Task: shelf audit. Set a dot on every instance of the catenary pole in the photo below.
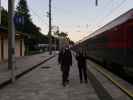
(11, 39)
(96, 2)
(50, 27)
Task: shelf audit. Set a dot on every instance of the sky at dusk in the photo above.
(78, 18)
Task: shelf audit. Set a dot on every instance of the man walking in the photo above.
(65, 59)
(81, 59)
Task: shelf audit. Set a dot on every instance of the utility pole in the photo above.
(50, 27)
(11, 39)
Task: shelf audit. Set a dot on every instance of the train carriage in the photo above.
(113, 44)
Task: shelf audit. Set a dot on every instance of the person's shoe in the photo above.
(64, 84)
(67, 81)
(86, 81)
(81, 81)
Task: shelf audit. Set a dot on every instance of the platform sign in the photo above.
(19, 20)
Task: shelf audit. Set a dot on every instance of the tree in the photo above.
(63, 34)
(29, 27)
(4, 17)
(62, 38)
(22, 10)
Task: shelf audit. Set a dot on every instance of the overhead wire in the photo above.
(110, 13)
(39, 18)
(99, 18)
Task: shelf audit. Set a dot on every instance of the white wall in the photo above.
(5, 48)
(23, 48)
(17, 48)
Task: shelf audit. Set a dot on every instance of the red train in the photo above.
(112, 44)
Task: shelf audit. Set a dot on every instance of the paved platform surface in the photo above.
(22, 64)
(44, 83)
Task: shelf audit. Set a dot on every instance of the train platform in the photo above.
(22, 65)
(44, 83)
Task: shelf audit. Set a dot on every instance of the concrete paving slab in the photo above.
(45, 84)
(22, 65)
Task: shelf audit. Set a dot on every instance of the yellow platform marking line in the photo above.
(130, 94)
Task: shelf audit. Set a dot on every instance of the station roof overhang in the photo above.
(4, 32)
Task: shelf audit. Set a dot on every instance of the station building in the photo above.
(19, 44)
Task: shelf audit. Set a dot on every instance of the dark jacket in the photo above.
(81, 59)
(65, 57)
(60, 56)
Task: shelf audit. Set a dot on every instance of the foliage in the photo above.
(64, 35)
(29, 27)
(4, 18)
(22, 9)
(61, 34)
